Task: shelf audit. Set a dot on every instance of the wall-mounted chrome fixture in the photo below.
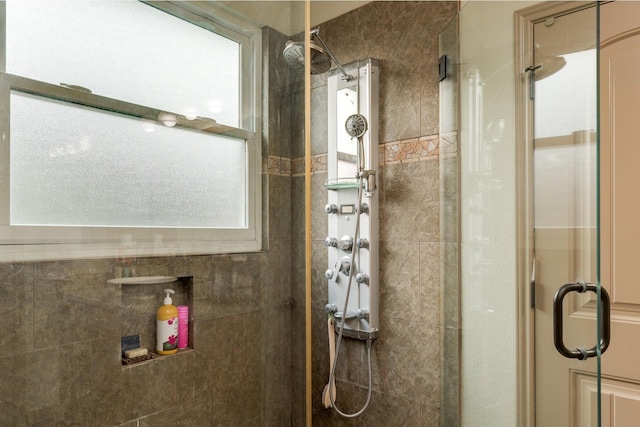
(321, 56)
(352, 242)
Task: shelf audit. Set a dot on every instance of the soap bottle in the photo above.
(167, 326)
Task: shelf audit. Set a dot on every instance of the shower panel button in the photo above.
(345, 244)
(362, 278)
(344, 266)
(362, 243)
(330, 208)
(364, 208)
(330, 242)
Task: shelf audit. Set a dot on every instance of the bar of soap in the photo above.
(136, 352)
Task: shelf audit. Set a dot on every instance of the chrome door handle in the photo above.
(580, 352)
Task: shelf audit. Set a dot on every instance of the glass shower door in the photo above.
(571, 307)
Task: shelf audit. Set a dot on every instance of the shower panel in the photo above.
(352, 200)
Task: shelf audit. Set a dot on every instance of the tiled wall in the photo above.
(60, 363)
(62, 325)
(407, 358)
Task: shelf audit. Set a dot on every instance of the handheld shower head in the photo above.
(356, 125)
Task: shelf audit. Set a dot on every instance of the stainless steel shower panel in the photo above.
(357, 96)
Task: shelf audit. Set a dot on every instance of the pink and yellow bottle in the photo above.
(167, 326)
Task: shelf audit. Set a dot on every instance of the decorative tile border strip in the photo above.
(318, 165)
(404, 151)
(449, 143)
(277, 165)
(411, 150)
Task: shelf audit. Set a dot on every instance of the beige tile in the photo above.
(219, 342)
(13, 390)
(449, 198)
(57, 386)
(319, 120)
(318, 201)
(298, 405)
(449, 285)
(197, 413)
(298, 340)
(277, 290)
(430, 416)
(410, 370)
(430, 282)
(17, 309)
(400, 280)
(108, 384)
(155, 385)
(253, 346)
(80, 306)
(239, 406)
(410, 208)
(279, 207)
(237, 282)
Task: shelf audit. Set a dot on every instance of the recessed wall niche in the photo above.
(140, 299)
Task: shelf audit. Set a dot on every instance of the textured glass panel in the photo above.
(74, 165)
(126, 50)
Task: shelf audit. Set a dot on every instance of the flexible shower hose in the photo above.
(332, 373)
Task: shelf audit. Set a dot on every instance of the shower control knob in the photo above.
(364, 208)
(344, 266)
(331, 242)
(330, 208)
(362, 313)
(362, 278)
(329, 274)
(330, 308)
(362, 243)
(345, 244)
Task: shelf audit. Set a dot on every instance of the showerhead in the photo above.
(550, 65)
(294, 55)
(321, 56)
(356, 125)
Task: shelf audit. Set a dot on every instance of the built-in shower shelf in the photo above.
(146, 280)
(340, 183)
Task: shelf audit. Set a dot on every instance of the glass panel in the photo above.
(449, 192)
(598, 257)
(497, 157)
(73, 165)
(101, 44)
(566, 212)
(487, 200)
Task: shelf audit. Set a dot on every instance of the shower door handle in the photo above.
(580, 352)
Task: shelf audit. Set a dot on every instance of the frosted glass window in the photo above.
(127, 50)
(77, 166)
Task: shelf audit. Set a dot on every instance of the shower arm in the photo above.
(316, 34)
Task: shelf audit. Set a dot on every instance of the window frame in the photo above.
(25, 243)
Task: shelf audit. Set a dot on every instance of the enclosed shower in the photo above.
(382, 345)
(352, 206)
(405, 179)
